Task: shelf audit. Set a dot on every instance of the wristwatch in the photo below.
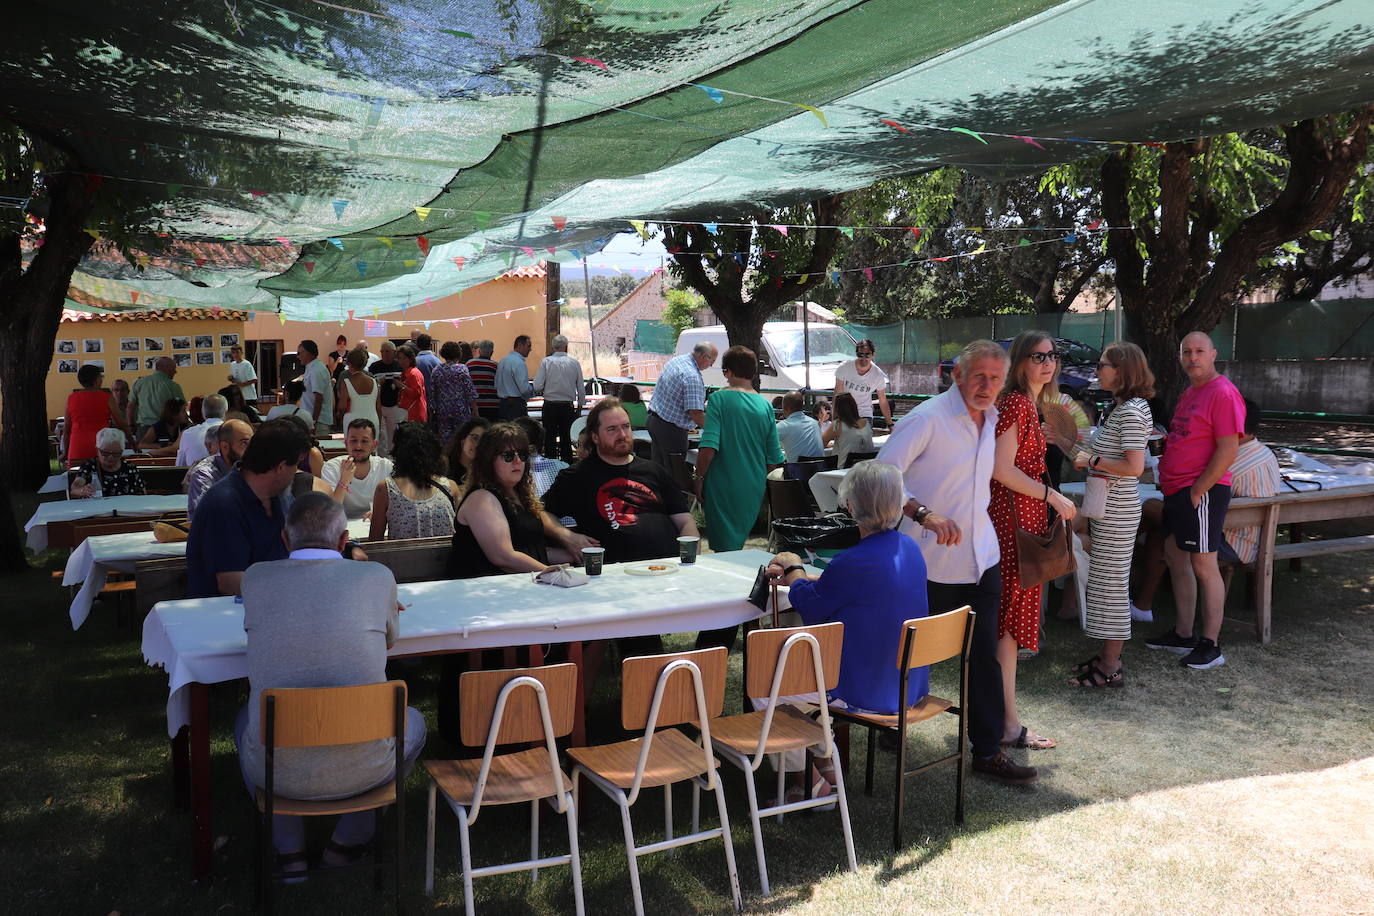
(788, 570)
(922, 511)
(1095, 461)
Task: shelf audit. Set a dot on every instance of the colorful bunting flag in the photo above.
(915, 231)
(385, 241)
(309, 266)
(965, 130)
(846, 231)
(459, 261)
(1071, 238)
(285, 241)
(1027, 140)
(133, 294)
(529, 252)
(423, 212)
(782, 229)
(638, 225)
(1022, 243)
(409, 262)
(868, 273)
(710, 227)
(559, 222)
(712, 93)
(200, 262)
(258, 194)
(1094, 224)
(93, 233)
(339, 207)
(350, 314)
(815, 111)
(362, 268)
(423, 244)
(215, 310)
(336, 243)
(895, 125)
(594, 62)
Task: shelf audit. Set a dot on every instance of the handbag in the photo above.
(1095, 491)
(1042, 557)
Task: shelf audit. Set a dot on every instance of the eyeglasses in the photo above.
(114, 454)
(1106, 365)
(510, 454)
(1041, 358)
(862, 354)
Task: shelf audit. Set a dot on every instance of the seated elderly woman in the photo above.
(872, 588)
(501, 527)
(107, 474)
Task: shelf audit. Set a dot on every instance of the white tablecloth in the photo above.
(96, 557)
(202, 640)
(67, 510)
(825, 487)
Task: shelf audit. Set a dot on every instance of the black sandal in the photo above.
(348, 855)
(1096, 677)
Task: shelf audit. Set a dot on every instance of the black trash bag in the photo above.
(836, 531)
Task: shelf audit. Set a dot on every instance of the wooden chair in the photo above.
(320, 717)
(506, 707)
(745, 740)
(924, 641)
(659, 691)
(854, 458)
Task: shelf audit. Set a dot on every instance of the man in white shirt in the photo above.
(242, 373)
(862, 378)
(559, 380)
(945, 449)
(193, 447)
(318, 400)
(355, 476)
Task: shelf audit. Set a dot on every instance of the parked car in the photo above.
(1077, 372)
(782, 364)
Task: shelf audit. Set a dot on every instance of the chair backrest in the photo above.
(576, 429)
(319, 716)
(789, 499)
(807, 466)
(854, 458)
(764, 649)
(520, 719)
(927, 640)
(639, 682)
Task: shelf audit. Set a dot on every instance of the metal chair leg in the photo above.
(534, 839)
(465, 850)
(754, 820)
(727, 841)
(844, 813)
(630, 854)
(429, 843)
(900, 796)
(668, 815)
(575, 859)
(868, 765)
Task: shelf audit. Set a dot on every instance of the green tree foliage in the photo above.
(681, 310)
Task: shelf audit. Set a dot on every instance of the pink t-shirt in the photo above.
(1204, 412)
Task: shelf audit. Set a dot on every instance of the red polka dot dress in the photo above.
(1019, 612)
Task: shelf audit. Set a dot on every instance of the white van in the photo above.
(783, 363)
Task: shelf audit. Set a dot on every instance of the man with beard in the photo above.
(353, 478)
(231, 440)
(629, 504)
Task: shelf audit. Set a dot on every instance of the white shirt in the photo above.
(862, 386)
(243, 371)
(946, 464)
(192, 447)
(560, 378)
(358, 500)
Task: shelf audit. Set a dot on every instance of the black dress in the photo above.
(468, 561)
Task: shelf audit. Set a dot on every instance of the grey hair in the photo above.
(315, 520)
(873, 492)
(704, 348)
(981, 349)
(560, 342)
(109, 436)
(486, 348)
(211, 437)
(216, 405)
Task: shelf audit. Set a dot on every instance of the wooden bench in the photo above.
(70, 534)
(413, 560)
(1294, 508)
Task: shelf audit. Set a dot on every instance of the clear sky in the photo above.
(626, 250)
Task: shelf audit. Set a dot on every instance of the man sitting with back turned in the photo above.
(230, 439)
(238, 522)
(798, 432)
(301, 635)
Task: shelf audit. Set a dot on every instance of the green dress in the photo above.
(741, 427)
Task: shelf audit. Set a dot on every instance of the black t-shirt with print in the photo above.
(627, 507)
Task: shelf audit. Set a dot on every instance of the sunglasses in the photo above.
(1041, 358)
(510, 454)
(1106, 365)
(863, 353)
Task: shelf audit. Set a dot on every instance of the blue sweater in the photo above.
(871, 588)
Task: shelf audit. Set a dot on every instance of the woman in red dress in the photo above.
(412, 395)
(89, 410)
(1021, 496)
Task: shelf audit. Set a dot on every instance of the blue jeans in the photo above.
(288, 830)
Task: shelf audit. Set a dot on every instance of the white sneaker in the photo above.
(1140, 616)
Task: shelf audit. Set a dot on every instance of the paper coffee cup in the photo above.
(687, 546)
(592, 558)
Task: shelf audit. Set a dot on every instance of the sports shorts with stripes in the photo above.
(1197, 529)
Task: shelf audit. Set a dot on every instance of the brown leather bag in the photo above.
(1042, 557)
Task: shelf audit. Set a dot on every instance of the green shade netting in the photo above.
(655, 336)
(299, 137)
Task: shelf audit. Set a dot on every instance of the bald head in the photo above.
(1198, 356)
(166, 365)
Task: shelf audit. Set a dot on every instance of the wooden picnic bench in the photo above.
(1269, 512)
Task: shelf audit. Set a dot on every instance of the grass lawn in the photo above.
(1239, 790)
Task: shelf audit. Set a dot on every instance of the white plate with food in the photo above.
(651, 569)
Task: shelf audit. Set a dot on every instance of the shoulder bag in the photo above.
(1042, 557)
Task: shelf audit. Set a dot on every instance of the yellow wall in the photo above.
(493, 296)
(194, 379)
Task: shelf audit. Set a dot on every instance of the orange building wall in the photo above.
(495, 296)
(194, 379)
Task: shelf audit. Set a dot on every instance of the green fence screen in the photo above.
(655, 336)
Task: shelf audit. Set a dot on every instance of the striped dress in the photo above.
(1113, 535)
